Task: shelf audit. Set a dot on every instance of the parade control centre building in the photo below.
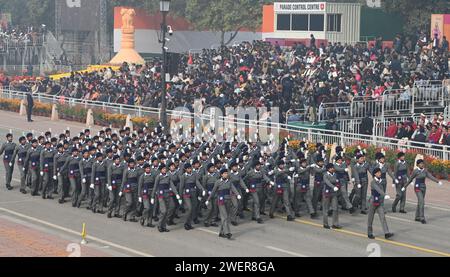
(289, 22)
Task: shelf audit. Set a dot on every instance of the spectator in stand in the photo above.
(445, 137)
(434, 135)
(392, 129)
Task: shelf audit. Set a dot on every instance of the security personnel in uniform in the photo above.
(32, 163)
(8, 149)
(256, 180)
(330, 196)
(114, 179)
(145, 192)
(420, 174)
(98, 183)
(189, 183)
(376, 204)
(302, 191)
(46, 165)
(208, 182)
(165, 190)
(21, 153)
(282, 188)
(62, 177)
(130, 190)
(401, 177)
(222, 192)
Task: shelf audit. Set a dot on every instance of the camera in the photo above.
(170, 30)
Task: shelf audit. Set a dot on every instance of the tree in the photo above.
(224, 16)
(417, 13)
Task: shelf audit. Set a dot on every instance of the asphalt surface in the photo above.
(275, 238)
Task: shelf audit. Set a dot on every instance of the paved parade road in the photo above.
(36, 227)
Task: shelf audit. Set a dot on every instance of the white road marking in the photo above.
(207, 231)
(400, 219)
(286, 251)
(76, 233)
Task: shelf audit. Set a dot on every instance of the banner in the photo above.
(305, 7)
(79, 15)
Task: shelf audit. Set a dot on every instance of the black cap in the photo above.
(75, 149)
(400, 154)
(210, 165)
(329, 166)
(187, 165)
(338, 158)
(116, 157)
(280, 162)
(379, 155)
(99, 154)
(161, 166)
(319, 159)
(223, 170)
(420, 161)
(376, 170)
(131, 161)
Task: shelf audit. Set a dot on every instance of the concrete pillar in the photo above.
(128, 122)
(90, 118)
(23, 109)
(55, 116)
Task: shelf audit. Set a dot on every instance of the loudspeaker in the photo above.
(173, 63)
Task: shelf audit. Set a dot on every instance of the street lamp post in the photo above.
(164, 9)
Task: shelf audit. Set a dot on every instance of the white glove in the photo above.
(152, 201)
(396, 181)
(239, 197)
(346, 170)
(120, 194)
(42, 173)
(180, 201)
(403, 189)
(440, 184)
(92, 186)
(291, 169)
(55, 178)
(393, 185)
(336, 189)
(267, 164)
(84, 180)
(140, 199)
(23, 168)
(178, 197)
(293, 161)
(59, 174)
(110, 188)
(10, 164)
(206, 203)
(247, 191)
(270, 172)
(387, 197)
(272, 183)
(204, 193)
(359, 186)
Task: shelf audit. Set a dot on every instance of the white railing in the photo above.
(302, 133)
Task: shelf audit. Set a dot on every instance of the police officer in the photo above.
(401, 177)
(98, 182)
(222, 192)
(114, 179)
(419, 175)
(330, 196)
(256, 178)
(376, 204)
(145, 192)
(8, 149)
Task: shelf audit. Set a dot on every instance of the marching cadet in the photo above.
(401, 177)
(330, 196)
(114, 179)
(189, 183)
(208, 182)
(222, 192)
(46, 164)
(342, 175)
(130, 190)
(164, 190)
(235, 177)
(376, 204)
(174, 174)
(318, 170)
(420, 174)
(145, 191)
(256, 178)
(361, 182)
(385, 170)
(8, 149)
(282, 187)
(86, 173)
(32, 163)
(98, 183)
(302, 189)
(21, 154)
(72, 164)
(59, 159)
(198, 172)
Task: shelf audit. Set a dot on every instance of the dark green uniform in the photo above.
(8, 149)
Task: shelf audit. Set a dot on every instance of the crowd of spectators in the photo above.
(300, 77)
(18, 36)
(433, 130)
